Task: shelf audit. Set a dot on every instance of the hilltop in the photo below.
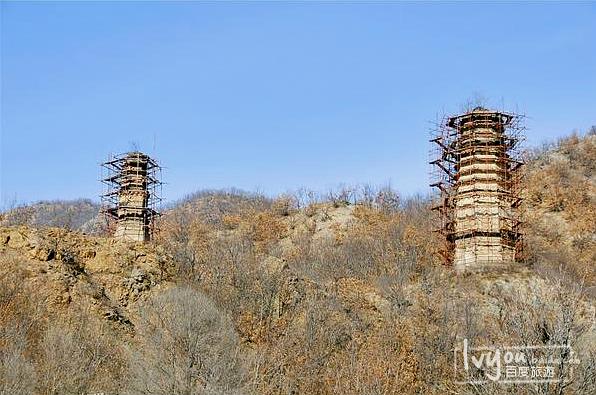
(80, 214)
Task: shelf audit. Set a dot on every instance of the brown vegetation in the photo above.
(241, 294)
(560, 208)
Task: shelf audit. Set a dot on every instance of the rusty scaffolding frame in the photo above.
(132, 173)
(450, 152)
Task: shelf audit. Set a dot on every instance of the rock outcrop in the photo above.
(65, 269)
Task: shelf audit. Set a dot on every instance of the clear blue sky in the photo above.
(274, 96)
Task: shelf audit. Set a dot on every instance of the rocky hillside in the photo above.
(66, 269)
(241, 294)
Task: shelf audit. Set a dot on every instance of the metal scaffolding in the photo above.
(131, 195)
(475, 170)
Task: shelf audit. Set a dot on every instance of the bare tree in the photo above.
(68, 362)
(185, 346)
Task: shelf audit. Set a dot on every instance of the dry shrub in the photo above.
(19, 328)
(263, 229)
(185, 346)
(77, 357)
(385, 364)
(231, 222)
(200, 238)
(377, 243)
(284, 205)
(72, 354)
(560, 208)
